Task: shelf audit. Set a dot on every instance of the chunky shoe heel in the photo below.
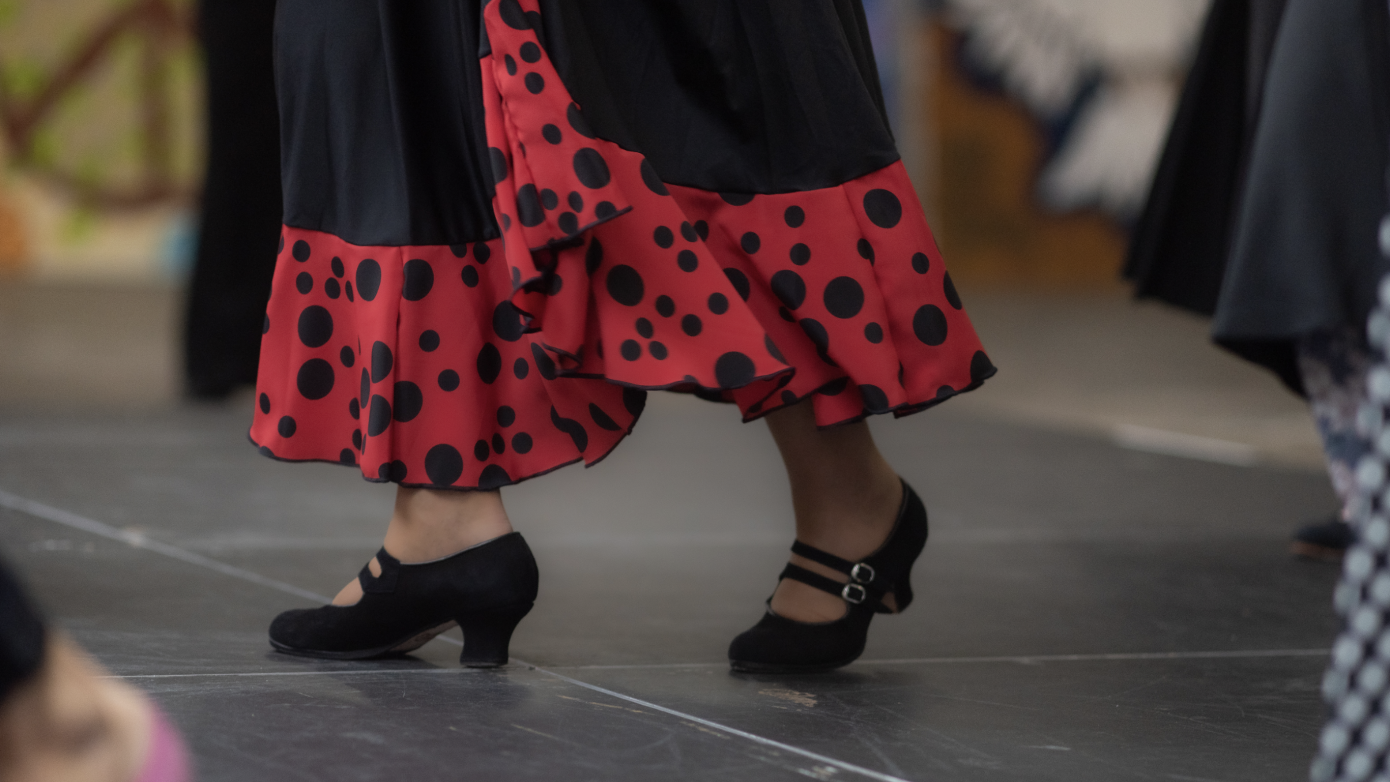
(487, 635)
(487, 588)
(780, 645)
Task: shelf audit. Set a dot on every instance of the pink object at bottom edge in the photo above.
(167, 760)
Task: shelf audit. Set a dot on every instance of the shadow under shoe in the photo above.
(486, 590)
(780, 645)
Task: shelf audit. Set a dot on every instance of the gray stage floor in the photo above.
(1085, 611)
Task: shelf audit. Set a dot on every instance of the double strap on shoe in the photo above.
(384, 583)
(863, 578)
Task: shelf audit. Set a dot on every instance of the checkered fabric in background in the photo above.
(1355, 744)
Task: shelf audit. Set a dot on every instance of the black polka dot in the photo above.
(658, 350)
(844, 297)
(737, 199)
(282, 245)
(591, 169)
(535, 83)
(459, 250)
(702, 229)
(366, 387)
(530, 52)
(788, 398)
(368, 279)
(489, 363)
(512, 15)
(301, 251)
(521, 443)
(665, 306)
(569, 223)
(470, 276)
(644, 328)
(395, 472)
(800, 254)
(575, 200)
(315, 326)
(929, 324)
(448, 380)
(663, 237)
(506, 416)
(315, 379)
(593, 256)
(493, 477)
(286, 427)
(346, 456)
(265, 325)
(625, 285)
(357, 439)
(378, 415)
(570, 427)
(506, 321)
(443, 465)
(581, 125)
(952, 297)
(544, 363)
(634, 400)
(834, 387)
(981, 368)
(750, 242)
(921, 263)
(866, 250)
(304, 283)
(772, 349)
(688, 232)
(817, 333)
(605, 210)
(794, 216)
(549, 199)
(347, 288)
(521, 368)
(419, 279)
(382, 361)
(687, 260)
(875, 400)
(409, 400)
(883, 208)
(789, 288)
(528, 206)
(337, 266)
(873, 333)
(332, 289)
(499, 446)
(481, 252)
(630, 349)
(718, 303)
(691, 325)
(652, 180)
(554, 283)
(506, 222)
(603, 420)
(733, 370)
(740, 282)
(354, 409)
(347, 356)
(945, 392)
(498, 158)
(510, 62)
(265, 403)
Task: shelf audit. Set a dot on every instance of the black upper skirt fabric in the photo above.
(740, 96)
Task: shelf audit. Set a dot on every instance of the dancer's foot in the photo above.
(70, 722)
(428, 525)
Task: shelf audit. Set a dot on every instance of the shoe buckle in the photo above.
(863, 573)
(854, 594)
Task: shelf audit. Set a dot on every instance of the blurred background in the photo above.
(1031, 128)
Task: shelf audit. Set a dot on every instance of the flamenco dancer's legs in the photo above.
(844, 493)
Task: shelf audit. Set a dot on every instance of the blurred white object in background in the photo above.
(1102, 74)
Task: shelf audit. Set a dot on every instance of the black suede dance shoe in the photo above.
(485, 590)
(780, 645)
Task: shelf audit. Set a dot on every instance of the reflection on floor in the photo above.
(1086, 611)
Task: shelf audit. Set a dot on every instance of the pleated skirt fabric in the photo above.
(481, 277)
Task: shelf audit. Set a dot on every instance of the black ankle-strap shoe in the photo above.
(780, 645)
(485, 590)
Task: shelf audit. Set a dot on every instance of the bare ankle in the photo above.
(429, 524)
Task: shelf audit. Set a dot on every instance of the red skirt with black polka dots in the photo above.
(478, 366)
